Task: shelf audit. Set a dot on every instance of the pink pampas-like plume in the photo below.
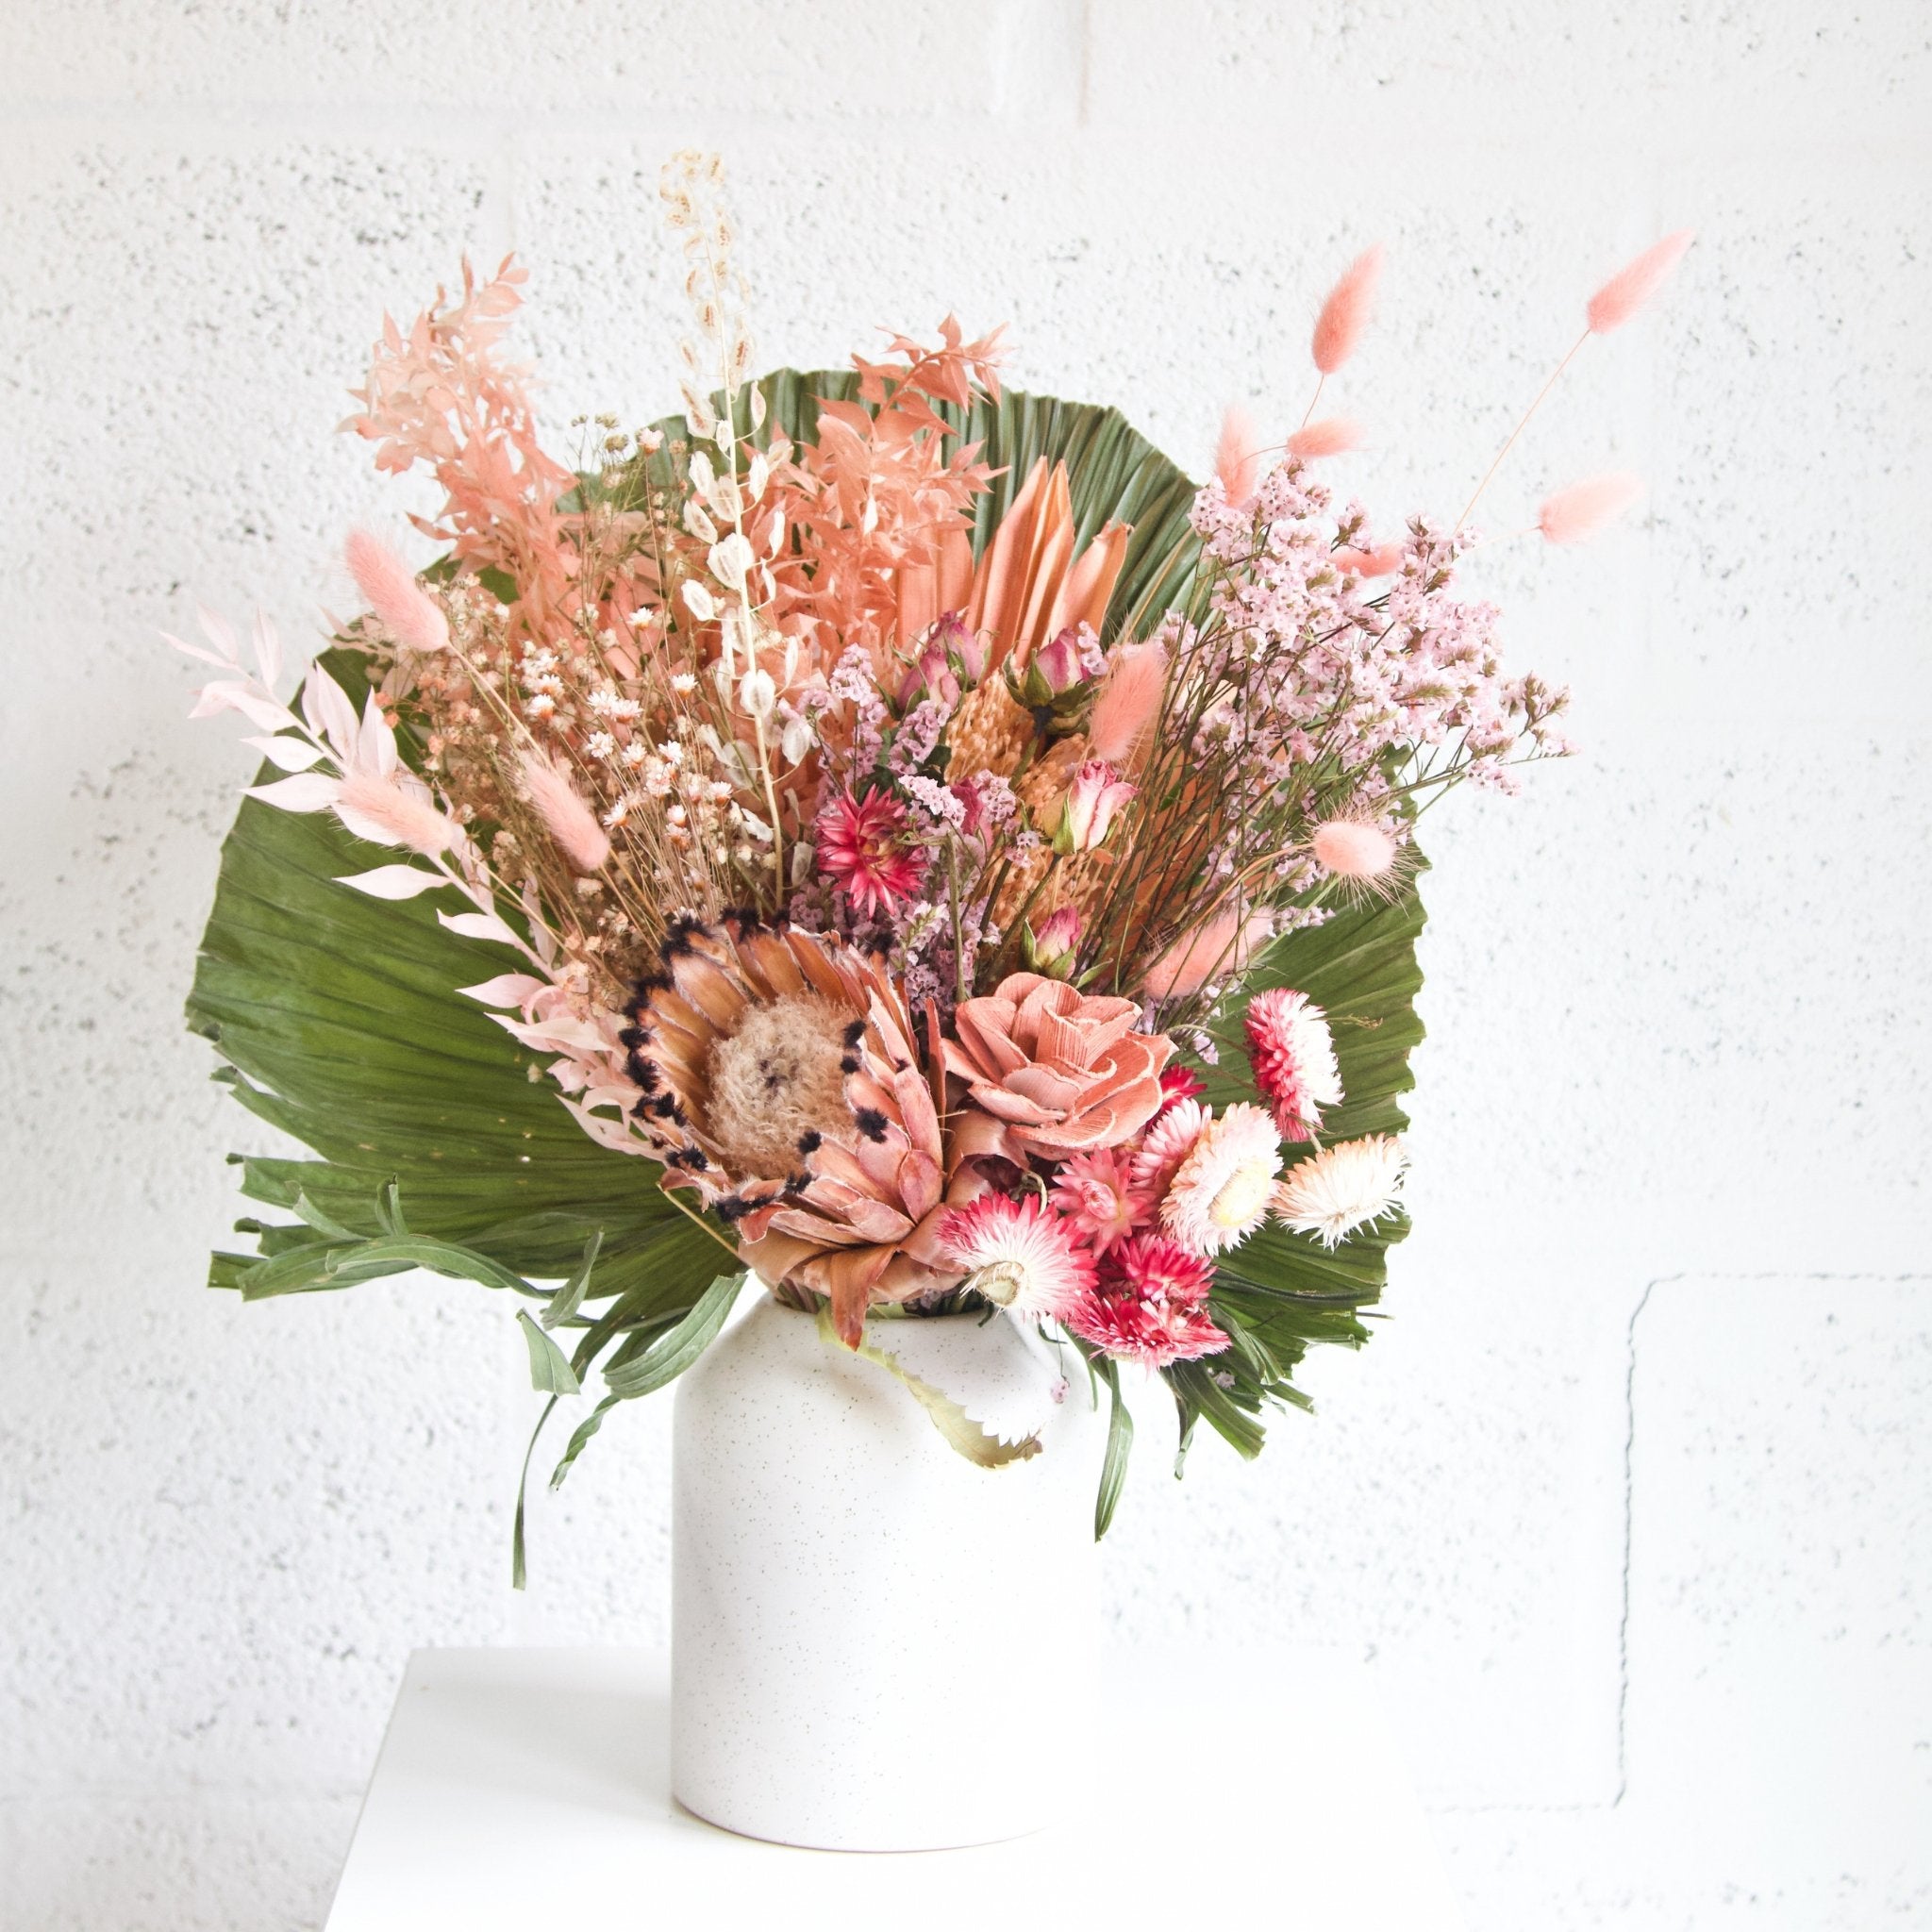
(1378, 562)
(1353, 848)
(1236, 460)
(378, 808)
(1224, 945)
(1569, 516)
(1332, 436)
(1346, 314)
(572, 823)
(1129, 704)
(409, 612)
(1636, 282)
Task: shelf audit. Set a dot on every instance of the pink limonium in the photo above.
(1088, 814)
(1095, 1193)
(1349, 1185)
(1020, 1255)
(1330, 436)
(1633, 286)
(1222, 944)
(1293, 1054)
(1128, 704)
(1237, 461)
(569, 820)
(1345, 313)
(1571, 515)
(860, 849)
(407, 611)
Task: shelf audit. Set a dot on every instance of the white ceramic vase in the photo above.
(875, 1642)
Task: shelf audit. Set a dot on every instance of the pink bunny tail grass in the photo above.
(1378, 562)
(1223, 945)
(1347, 312)
(378, 810)
(1236, 461)
(1580, 511)
(409, 614)
(1636, 282)
(1353, 848)
(1329, 435)
(1129, 704)
(572, 823)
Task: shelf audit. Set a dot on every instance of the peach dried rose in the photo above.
(1053, 1071)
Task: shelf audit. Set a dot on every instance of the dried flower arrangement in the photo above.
(892, 836)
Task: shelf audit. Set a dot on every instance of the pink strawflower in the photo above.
(1151, 1305)
(569, 819)
(1330, 436)
(1180, 1083)
(1342, 1187)
(861, 850)
(1168, 1142)
(1236, 461)
(1096, 1194)
(407, 612)
(1094, 798)
(1129, 704)
(1221, 1193)
(1571, 515)
(392, 808)
(1019, 1255)
(1346, 314)
(1636, 282)
(1294, 1057)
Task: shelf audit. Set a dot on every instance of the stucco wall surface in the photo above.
(1627, 1502)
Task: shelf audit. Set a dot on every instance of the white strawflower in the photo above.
(1342, 1187)
(1220, 1195)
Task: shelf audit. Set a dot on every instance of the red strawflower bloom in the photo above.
(1293, 1058)
(860, 849)
(1154, 1268)
(1151, 1305)
(1180, 1083)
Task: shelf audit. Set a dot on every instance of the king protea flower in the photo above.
(861, 848)
(1019, 1255)
(1293, 1058)
(778, 1076)
(1342, 1187)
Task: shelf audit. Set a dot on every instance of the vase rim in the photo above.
(889, 1311)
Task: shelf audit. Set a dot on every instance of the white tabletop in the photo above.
(530, 1789)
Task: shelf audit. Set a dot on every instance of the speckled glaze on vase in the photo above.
(860, 1617)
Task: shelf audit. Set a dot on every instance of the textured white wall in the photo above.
(1627, 1501)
